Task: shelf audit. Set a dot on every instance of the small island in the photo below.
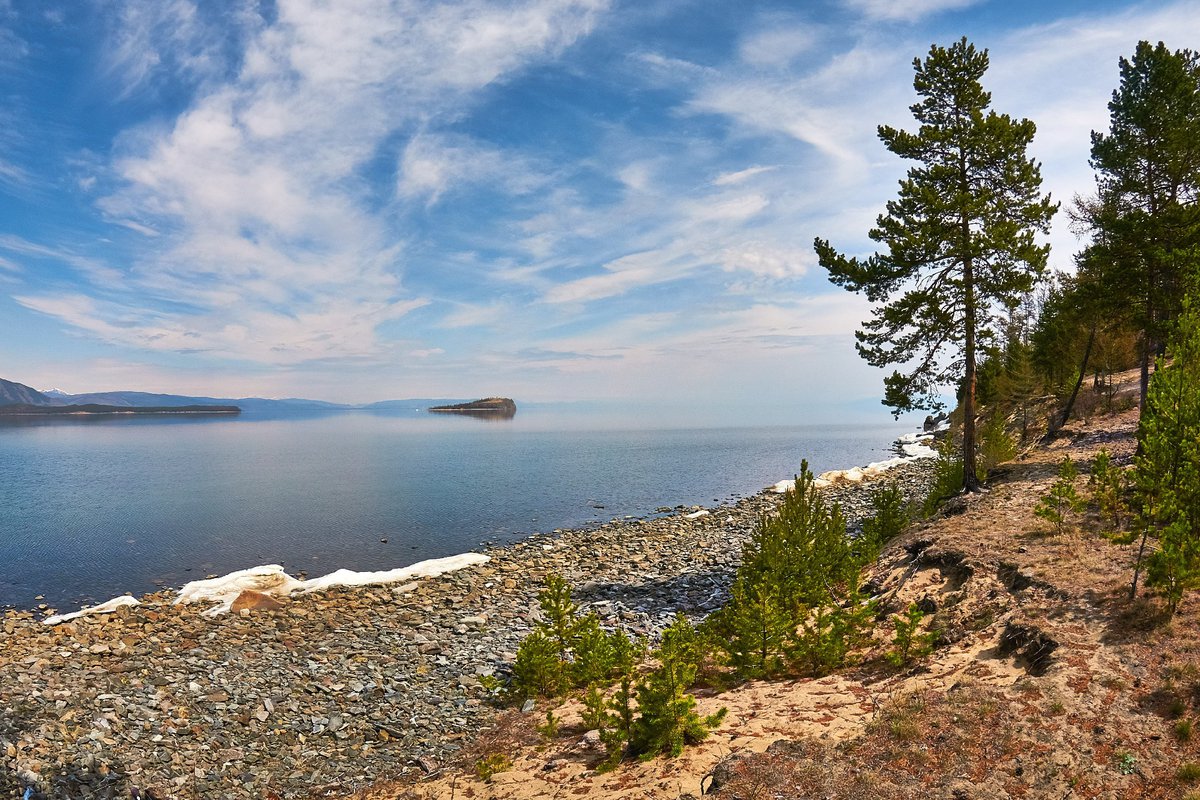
(490, 407)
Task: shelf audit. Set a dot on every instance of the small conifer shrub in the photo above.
(1106, 489)
(538, 670)
(1167, 469)
(909, 643)
(794, 601)
(565, 651)
(1062, 501)
(888, 521)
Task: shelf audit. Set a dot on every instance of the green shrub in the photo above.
(593, 652)
(565, 650)
(909, 644)
(830, 633)
(491, 765)
(667, 718)
(995, 445)
(889, 519)
(947, 477)
(560, 613)
(1106, 489)
(1062, 500)
(1167, 468)
(538, 670)
(549, 728)
(795, 599)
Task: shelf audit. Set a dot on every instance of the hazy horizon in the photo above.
(554, 200)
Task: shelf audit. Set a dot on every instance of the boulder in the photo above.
(250, 600)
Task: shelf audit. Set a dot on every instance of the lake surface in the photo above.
(94, 508)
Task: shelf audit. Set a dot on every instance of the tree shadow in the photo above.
(99, 777)
(691, 592)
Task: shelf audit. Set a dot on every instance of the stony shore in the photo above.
(340, 688)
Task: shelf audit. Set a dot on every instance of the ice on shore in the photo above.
(107, 607)
(696, 514)
(270, 579)
(912, 446)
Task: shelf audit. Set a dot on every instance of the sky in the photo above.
(552, 200)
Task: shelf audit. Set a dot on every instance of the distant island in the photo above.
(494, 407)
(17, 399)
(30, 410)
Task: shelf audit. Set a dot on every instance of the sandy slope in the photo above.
(1048, 682)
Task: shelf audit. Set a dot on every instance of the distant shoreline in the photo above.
(90, 409)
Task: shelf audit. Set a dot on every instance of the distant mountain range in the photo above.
(12, 393)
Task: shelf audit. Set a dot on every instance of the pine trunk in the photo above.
(1087, 354)
(970, 479)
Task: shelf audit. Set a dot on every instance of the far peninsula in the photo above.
(488, 406)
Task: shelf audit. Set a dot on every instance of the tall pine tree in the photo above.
(1145, 215)
(960, 239)
(1167, 470)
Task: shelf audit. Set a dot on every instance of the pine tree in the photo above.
(1062, 500)
(1106, 487)
(908, 643)
(1145, 215)
(890, 518)
(795, 561)
(754, 625)
(1167, 470)
(560, 613)
(667, 718)
(960, 239)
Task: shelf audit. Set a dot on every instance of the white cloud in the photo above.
(777, 46)
(905, 10)
(731, 178)
(766, 260)
(269, 250)
(433, 164)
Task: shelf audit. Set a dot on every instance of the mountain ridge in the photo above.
(12, 392)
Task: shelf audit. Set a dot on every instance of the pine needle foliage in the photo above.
(890, 518)
(908, 643)
(566, 650)
(947, 477)
(667, 718)
(959, 240)
(1057, 506)
(794, 602)
(1107, 485)
(1167, 471)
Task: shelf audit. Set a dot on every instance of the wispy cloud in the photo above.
(906, 10)
(270, 249)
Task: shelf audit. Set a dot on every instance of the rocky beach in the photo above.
(337, 689)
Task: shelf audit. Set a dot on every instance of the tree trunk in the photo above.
(970, 479)
(1087, 354)
(1137, 564)
(1144, 383)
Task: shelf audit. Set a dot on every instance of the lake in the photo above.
(93, 508)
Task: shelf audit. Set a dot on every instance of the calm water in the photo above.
(92, 509)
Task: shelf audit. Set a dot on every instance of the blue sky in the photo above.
(546, 199)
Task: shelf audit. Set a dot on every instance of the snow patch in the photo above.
(912, 446)
(270, 579)
(107, 607)
(696, 514)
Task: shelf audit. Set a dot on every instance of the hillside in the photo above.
(1047, 681)
(12, 393)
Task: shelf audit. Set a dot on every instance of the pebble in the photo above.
(346, 686)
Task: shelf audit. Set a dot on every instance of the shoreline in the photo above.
(343, 685)
(272, 580)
